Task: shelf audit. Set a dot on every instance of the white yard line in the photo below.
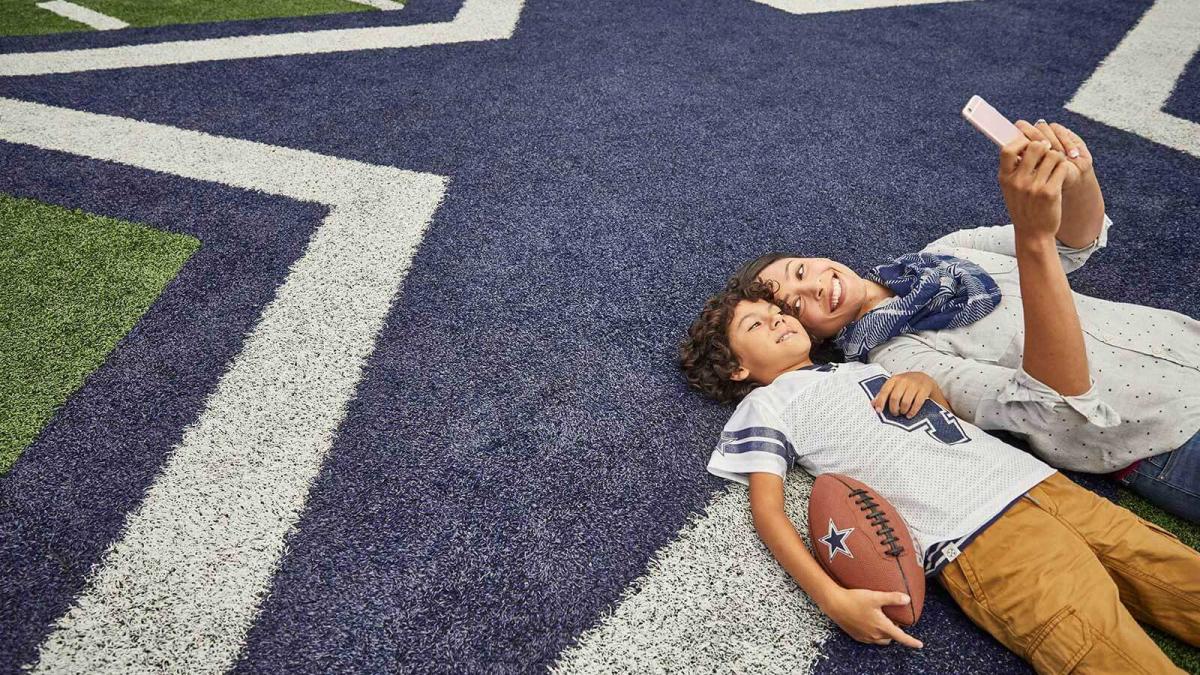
(1131, 86)
(714, 600)
(385, 5)
(83, 15)
(823, 6)
(182, 585)
(476, 20)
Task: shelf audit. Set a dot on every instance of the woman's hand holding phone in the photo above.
(1062, 140)
(1081, 203)
(1031, 178)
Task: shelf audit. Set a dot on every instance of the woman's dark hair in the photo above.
(706, 357)
(749, 272)
(823, 350)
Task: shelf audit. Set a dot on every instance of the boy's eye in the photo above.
(754, 325)
(800, 272)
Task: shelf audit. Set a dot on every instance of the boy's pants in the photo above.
(1061, 576)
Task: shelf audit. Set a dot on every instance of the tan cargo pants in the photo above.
(1061, 576)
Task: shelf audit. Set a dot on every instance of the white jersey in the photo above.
(947, 478)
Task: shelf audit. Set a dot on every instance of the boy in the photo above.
(1039, 562)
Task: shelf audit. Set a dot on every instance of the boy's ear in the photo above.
(739, 374)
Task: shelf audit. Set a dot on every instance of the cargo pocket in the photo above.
(968, 577)
(1061, 643)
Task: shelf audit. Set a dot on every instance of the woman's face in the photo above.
(825, 295)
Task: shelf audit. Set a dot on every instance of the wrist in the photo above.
(827, 596)
(1034, 244)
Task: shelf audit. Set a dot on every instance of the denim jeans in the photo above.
(1171, 481)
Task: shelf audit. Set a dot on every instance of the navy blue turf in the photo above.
(521, 443)
(1185, 100)
(67, 497)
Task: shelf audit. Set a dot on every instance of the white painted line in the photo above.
(713, 601)
(823, 6)
(385, 5)
(1131, 86)
(476, 20)
(88, 17)
(181, 587)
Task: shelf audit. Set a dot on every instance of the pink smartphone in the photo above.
(986, 119)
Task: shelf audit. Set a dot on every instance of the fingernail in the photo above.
(906, 598)
(1040, 121)
(1074, 154)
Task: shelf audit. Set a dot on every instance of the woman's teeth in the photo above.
(836, 298)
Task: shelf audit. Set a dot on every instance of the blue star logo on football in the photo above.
(835, 541)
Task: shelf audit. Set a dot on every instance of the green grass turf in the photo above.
(72, 285)
(1185, 656)
(23, 17)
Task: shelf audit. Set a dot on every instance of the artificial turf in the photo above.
(72, 284)
(1184, 655)
(24, 17)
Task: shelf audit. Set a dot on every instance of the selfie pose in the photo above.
(1092, 385)
(1053, 571)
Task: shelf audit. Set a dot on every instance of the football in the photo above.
(862, 542)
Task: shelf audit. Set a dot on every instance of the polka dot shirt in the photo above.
(1144, 362)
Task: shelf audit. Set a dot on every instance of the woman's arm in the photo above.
(1031, 178)
(858, 612)
(1084, 226)
(992, 396)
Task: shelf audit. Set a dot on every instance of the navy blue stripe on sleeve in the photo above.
(757, 439)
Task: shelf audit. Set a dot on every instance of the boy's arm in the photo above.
(858, 612)
(905, 393)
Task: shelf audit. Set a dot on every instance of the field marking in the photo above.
(712, 600)
(476, 20)
(385, 5)
(824, 6)
(183, 584)
(83, 15)
(1132, 84)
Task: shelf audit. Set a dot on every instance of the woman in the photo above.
(1092, 385)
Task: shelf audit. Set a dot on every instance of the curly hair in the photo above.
(706, 357)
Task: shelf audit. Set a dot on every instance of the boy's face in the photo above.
(766, 341)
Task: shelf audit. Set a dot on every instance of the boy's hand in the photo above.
(1031, 178)
(1065, 141)
(905, 393)
(860, 614)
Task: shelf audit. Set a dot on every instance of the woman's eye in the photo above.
(800, 272)
(754, 325)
